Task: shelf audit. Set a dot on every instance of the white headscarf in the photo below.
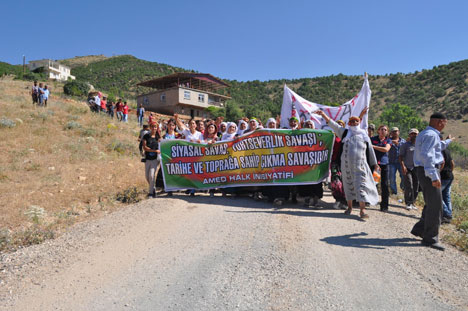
(239, 131)
(357, 131)
(270, 120)
(225, 124)
(226, 135)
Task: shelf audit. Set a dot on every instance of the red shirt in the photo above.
(119, 106)
(103, 104)
(125, 109)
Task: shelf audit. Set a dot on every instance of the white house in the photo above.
(53, 69)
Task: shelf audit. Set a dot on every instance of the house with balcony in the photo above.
(53, 69)
(184, 93)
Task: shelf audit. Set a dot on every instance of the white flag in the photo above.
(304, 109)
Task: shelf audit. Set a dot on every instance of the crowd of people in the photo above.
(360, 158)
(99, 104)
(40, 94)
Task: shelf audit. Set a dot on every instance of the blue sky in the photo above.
(244, 40)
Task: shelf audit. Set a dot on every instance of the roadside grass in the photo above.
(63, 160)
(457, 234)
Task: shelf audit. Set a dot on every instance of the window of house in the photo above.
(163, 97)
(201, 98)
(186, 94)
(198, 113)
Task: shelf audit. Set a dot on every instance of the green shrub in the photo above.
(4, 122)
(129, 196)
(72, 125)
(76, 88)
(90, 132)
(122, 147)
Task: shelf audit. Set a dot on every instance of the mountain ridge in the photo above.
(443, 88)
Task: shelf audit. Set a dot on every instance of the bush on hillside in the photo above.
(76, 88)
(402, 117)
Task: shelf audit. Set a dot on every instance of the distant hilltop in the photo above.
(82, 60)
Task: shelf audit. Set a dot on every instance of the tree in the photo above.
(401, 116)
(76, 88)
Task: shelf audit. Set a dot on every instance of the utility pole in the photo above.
(24, 64)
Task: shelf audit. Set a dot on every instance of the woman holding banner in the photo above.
(191, 134)
(358, 182)
(231, 132)
(315, 191)
(152, 156)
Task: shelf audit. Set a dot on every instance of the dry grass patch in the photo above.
(457, 232)
(63, 159)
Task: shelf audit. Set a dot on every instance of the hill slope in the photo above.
(82, 60)
(443, 88)
(119, 75)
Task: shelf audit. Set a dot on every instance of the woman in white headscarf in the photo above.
(253, 125)
(241, 127)
(358, 182)
(231, 132)
(271, 123)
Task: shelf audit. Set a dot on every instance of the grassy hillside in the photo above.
(7, 69)
(119, 75)
(82, 60)
(59, 164)
(443, 88)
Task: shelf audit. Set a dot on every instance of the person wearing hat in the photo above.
(428, 159)
(393, 161)
(410, 179)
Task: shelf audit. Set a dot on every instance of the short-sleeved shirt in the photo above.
(35, 89)
(119, 106)
(382, 157)
(394, 151)
(407, 154)
(45, 93)
(446, 172)
(152, 143)
(125, 109)
(192, 137)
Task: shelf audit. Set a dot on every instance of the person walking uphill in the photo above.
(358, 182)
(428, 159)
(125, 112)
(152, 156)
(140, 114)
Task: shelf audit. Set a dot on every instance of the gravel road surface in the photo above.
(232, 253)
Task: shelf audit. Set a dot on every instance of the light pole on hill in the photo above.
(24, 64)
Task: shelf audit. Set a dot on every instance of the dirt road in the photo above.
(204, 253)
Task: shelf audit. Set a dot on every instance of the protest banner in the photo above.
(264, 157)
(296, 106)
